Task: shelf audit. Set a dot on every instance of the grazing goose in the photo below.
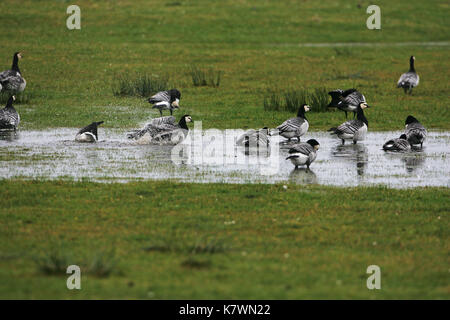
(354, 129)
(415, 131)
(166, 100)
(347, 101)
(398, 144)
(409, 79)
(303, 153)
(88, 133)
(12, 80)
(9, 118)
(254, 138)
(295, 127)
(163, 131)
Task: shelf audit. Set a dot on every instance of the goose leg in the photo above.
(345, 114)
(171, 111)
(343, 141)
(160, 112)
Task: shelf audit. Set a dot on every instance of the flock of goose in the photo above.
(165, 129)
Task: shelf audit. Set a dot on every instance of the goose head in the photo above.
(364, 105)
(410, 119)
(313, 143)
(187, 118)
(403, 136)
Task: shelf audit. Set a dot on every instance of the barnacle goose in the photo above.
(303, 153)
(12, 80)
(88, 133)
(166, 100)
(415, 131)
(398, 144)
(295, 127)
(354, 129)
(9, 118)
(347, 101)
(254, 138)
(409, 79)
(163, 130)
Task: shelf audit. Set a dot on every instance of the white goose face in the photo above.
(19, 55)
(188, 119)
(176, 103)
(14, 98)
(364, 105)
(307, 108)
(316, 147)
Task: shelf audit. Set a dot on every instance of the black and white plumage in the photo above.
(254, 138)
(12, 80)
(88, 133)
(409, 79)
(166, 100)
(347, 101)
(295, 127)
(303, 153)
(9, 118)
(415, 132)
(354, 129)
(398, 144)
(164, 131)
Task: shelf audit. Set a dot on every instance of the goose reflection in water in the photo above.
(413, 161)
(303, 176)
(354, 152)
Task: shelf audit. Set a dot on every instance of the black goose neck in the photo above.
(360, 116)
(15, 64)
(182, 123)
(9, 104)
(411, 65)
(301, 113)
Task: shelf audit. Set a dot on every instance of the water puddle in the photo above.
(52, 154)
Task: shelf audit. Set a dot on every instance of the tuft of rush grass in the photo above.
(202, 77)
(288, 242)
(140, 85)
(291, 100)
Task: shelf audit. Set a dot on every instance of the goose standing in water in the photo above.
(354, 129)
(303, 153)
(409, 79)
(347, 101)
(9, 118)
(88, 133)
(398, 144)
(164, 131)
(254, 138)
(166, 100)
(415, 132)
(295, 127)
(12, 80)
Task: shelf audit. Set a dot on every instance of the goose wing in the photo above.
(9, 118)
(162, 96)
(11, 80)
(353, 97)
(350, 127)
(163, 120)
(292, 124)
(303, 148)
(408, 79)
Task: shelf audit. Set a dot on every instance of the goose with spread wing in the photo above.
(164, 131)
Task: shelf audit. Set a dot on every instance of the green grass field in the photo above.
(169, 240)
(165, 240)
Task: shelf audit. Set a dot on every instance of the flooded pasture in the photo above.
(211, 156)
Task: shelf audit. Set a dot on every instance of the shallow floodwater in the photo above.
(211, 156)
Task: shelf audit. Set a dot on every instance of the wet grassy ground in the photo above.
(169, 240)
